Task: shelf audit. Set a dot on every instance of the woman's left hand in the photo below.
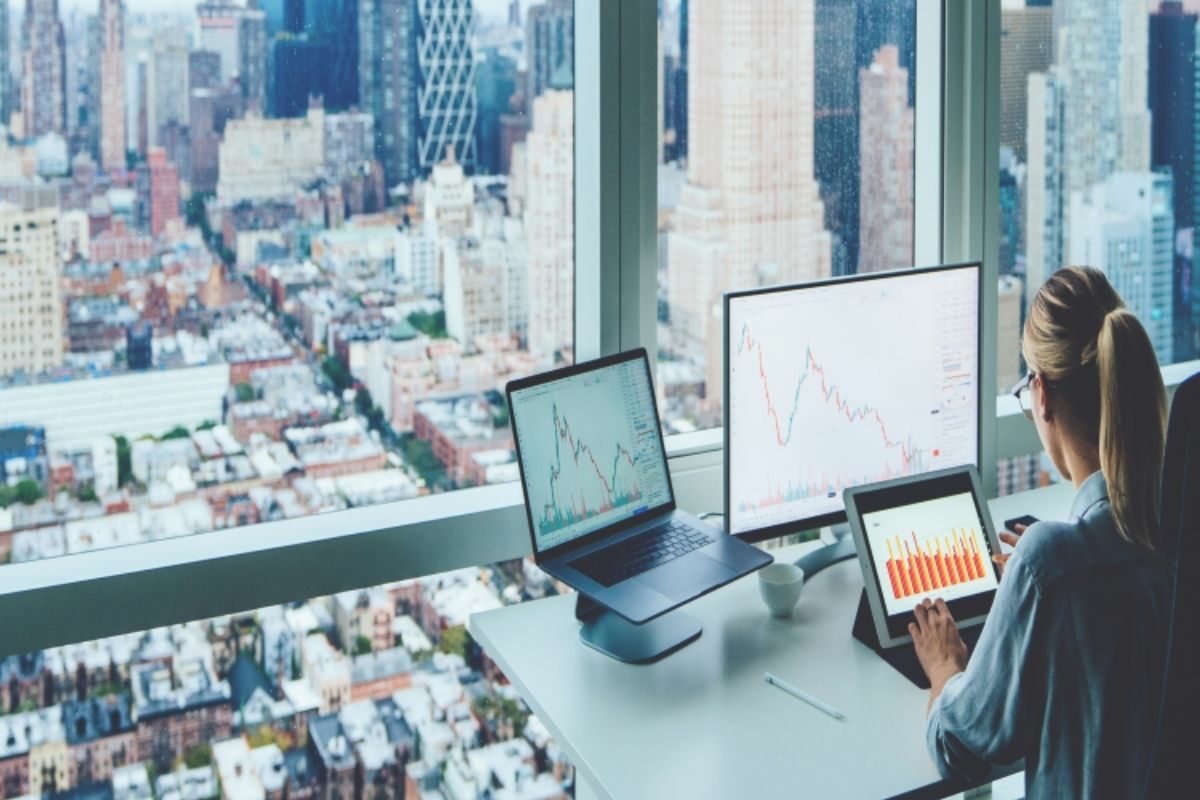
(940, 649)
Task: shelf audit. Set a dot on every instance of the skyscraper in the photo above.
(5, 71)
(496, 82)
(835, 128)
(112, 86)
(1045, 192)
(1100, 89)
(1173, 101)
(170, 102)
(1125, 226)
(885, 157)
(30, 300)
(43, 81)
(446, 101)
(1026, 36)
(750, 213)
(549, 45)
(550, 225)
(387, 74)
(681, 85)
(252, 57)
(219, 24)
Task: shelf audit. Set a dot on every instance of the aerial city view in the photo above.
(267, 259)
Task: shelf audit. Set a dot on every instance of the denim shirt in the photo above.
(1068, 670)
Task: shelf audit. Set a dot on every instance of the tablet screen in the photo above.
(931, 549)
(923, 539)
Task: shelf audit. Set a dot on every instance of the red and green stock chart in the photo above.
(848, 384)
(590, 451)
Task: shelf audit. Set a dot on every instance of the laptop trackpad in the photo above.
(689, 576)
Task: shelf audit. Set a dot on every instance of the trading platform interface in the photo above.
(591, 452)
(843, 384)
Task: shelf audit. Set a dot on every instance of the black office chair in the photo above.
(1172, 764)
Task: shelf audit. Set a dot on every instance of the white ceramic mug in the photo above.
(780, 584)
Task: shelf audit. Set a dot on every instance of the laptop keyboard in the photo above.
(641, 553)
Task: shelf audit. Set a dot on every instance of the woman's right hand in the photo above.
(1010, 539)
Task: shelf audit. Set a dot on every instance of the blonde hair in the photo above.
(1096, 357)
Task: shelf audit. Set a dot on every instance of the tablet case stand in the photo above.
(902, 658)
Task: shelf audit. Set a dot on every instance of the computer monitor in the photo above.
(590, 449)
(844, 382)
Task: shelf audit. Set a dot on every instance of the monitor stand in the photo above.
(617, 637)
(841, 549)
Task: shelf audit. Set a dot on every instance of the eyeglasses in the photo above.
(1023, 391)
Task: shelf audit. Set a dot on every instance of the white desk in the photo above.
(703, 723)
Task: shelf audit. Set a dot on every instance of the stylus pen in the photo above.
(803, 696)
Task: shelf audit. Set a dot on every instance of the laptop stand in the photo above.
(617, 637)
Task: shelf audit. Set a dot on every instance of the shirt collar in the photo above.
(1091, 491)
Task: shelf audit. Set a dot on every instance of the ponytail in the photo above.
(1133, 421)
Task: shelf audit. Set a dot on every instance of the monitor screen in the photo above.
(846, 382)
(591, 451)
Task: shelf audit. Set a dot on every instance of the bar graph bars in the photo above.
(938, 563)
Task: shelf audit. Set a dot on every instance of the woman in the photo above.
(1068, 670)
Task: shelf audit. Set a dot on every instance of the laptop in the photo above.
(598, 493)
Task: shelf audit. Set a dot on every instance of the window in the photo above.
(1097, 166)
(780, 161)
(289, 268)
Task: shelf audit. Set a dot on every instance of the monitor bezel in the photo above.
(520, 384)
(836, 517)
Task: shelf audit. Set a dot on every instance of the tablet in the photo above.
(928, 536)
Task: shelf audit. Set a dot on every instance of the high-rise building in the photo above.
(219, 27)
(5, 70)
(835, 127)
(446, 101)
(681, 86)
(31, 307)
(885, 157)
(550, 225)
(349, 143)
(301, 69)
(1012, 243)
(387, 77)
(170, 102)
(334, 24)
(252, 57)
(164, 190)
(43, 79)
(1125, 226)
(1101, 52)
(112, 86)
(1045, 179)
(550, 46)
(495, 84)
(1027, 43)
(750, 213)
(1173, 101)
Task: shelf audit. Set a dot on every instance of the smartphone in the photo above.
(1026, 520)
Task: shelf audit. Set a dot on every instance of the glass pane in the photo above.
(378, 693)
(265, 260)
(1097, 161)
(786, 155)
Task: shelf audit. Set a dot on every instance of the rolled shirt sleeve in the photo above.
(981, 716)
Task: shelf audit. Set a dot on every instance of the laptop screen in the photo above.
(591, 451)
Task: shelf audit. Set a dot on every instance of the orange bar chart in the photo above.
(939, 562)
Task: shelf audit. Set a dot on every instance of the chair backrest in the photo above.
(1172, 762)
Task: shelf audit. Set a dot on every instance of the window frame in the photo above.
(106, 592)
